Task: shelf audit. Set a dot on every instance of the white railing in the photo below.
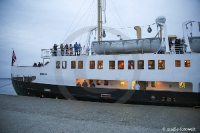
(178, 49)
(45, 53)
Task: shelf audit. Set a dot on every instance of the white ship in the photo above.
(167, 76)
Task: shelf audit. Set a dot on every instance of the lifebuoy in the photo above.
(149, 29)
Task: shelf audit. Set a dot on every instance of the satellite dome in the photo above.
(160, 19)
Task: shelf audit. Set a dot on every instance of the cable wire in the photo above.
(73, 21)
(119, 18)
(81, 18)
(85, 23)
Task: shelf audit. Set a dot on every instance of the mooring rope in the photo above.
(5, 85)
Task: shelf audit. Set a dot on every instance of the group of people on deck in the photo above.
(92, 85)
(40, 64)
(85, 84)
(68, 49)
(177, 41)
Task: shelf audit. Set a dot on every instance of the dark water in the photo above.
(6, 87)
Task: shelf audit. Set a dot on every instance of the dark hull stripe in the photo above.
(107, 95)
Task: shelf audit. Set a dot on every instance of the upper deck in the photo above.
(47, 53)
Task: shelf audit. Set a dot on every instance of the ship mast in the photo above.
(99, 22)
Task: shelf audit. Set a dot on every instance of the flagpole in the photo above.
(12, 58)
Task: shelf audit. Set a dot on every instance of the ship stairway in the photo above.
(180, 49)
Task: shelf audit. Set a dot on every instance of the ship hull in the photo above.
(168, 98)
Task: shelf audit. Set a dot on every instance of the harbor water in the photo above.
(6, 87)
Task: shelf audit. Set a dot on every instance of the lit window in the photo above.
(105, 82)
(64, 64)
(153, 84)
(140, 64)
(181, 84)
(161, 64)
(151, 64)
(178, 63)
(187, 63)
(120, 64)
(98, 82)
(57, 64)
(111, 64)
(100, 64)
(130, 64)
(121, 83)
(80, 64)
(73, 64)
(92, 64)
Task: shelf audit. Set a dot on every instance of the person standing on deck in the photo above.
(62, 49)
(70, 49)
(78, 84)
(67, 49)
(137, 86)
(55, 49)
(76, 48)
(92, 85)
(79, 49)
(84, 84)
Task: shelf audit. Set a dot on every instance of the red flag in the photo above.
(13, 58)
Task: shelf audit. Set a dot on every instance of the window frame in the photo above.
(92, 67)
(98, 64)
(119, 62)
(74, 64)
(141, 67)
(151, 66)
(159, 63)
(65, 65)
(80, 66)
(185, 63)
(133, 65)
(57, 64)
(111, 67)
(176, 63)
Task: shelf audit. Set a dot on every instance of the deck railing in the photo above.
(47, 53)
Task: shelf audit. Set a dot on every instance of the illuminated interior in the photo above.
(130, 64)
(92, 64)
(132, 84)
(153, 84)
(80, 64)
(73, 64)
(141, 64)
(161, 64)
(111, 64)
(120, 64)
(100, 64)
(178, 63)
(151, 64)
(181, 84)
(187, 63)
(105, 82)
(98, 82)
(122, 83)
